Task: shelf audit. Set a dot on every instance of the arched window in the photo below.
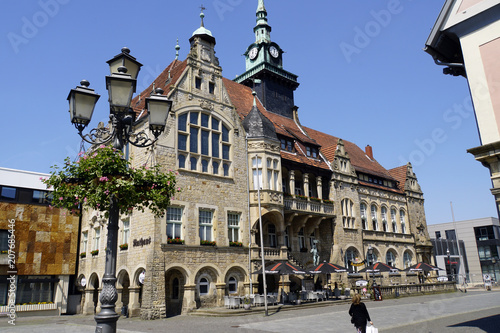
(271, 231)
(383, 212)
(407, 259)
(201, 136)
(302, 239)
(390, 259)
(362, 209)
(374, 212)
(232, 285)
(402, 216)
(351, 256)
(347, 213)
(393, 220)
(204, 286)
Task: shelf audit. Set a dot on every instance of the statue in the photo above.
(314, 251)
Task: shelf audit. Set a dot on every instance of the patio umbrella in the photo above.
(423, 267)
(281, 268)
(327, 268)
(379, 267)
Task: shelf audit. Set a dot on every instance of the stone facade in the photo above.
(239, 166)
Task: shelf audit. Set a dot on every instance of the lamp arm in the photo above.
(141, 139)
(98, 136)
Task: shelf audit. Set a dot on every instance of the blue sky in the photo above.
(362, 71)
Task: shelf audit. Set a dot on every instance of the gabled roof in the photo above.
(400, 174)
(165, 80)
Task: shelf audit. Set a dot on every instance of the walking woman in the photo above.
(359, 314)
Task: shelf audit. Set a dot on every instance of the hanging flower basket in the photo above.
(103, 174)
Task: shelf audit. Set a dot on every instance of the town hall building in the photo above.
(243, 157)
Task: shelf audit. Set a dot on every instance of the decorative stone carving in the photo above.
(206, 105)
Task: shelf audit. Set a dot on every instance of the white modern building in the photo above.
(479, 253)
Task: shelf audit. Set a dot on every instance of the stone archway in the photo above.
(135, 293)
(175, 281)
(91, 303)
(123, 289)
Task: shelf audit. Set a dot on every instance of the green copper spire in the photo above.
(262, 30)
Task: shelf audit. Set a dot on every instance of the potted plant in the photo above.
(124, 246)
(94, 253)
(83, 254)
(247, 302)
(237, 244)
(208, 243)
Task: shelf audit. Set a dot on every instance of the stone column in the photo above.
(189, 301)
(319, 187)
(119, 301)
(88, 306)
(291, 180)
(221, 290)
(306, 184)
(134, 305)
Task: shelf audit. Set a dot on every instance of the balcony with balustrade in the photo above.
(300, 204)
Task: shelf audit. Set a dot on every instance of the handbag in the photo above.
(371, 329)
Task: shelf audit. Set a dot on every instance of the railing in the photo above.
(270, 253)
(305, 205)
(29, 307)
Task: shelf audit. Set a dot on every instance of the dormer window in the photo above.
(286, 145)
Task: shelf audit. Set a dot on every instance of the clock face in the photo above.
(253, 53)
(274, 51)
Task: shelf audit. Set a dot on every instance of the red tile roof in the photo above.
(242, 98)
(400, 174)
(360, 161)
(165, 80)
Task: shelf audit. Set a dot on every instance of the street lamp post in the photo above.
(82, 100)
(369, 254)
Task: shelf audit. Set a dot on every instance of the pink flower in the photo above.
(60, 198)
(103, 179)
(102, 146)
(106, 192)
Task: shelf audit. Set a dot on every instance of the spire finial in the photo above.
(177, 48)
(254, 99)
(202, 15)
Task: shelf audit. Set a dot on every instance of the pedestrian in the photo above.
(359, 314)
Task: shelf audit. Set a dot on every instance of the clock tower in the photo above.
(264, 69)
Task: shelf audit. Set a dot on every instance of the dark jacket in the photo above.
(359, 314)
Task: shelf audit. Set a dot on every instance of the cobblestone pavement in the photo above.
(455, 312)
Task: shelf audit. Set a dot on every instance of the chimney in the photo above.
(369, 151)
